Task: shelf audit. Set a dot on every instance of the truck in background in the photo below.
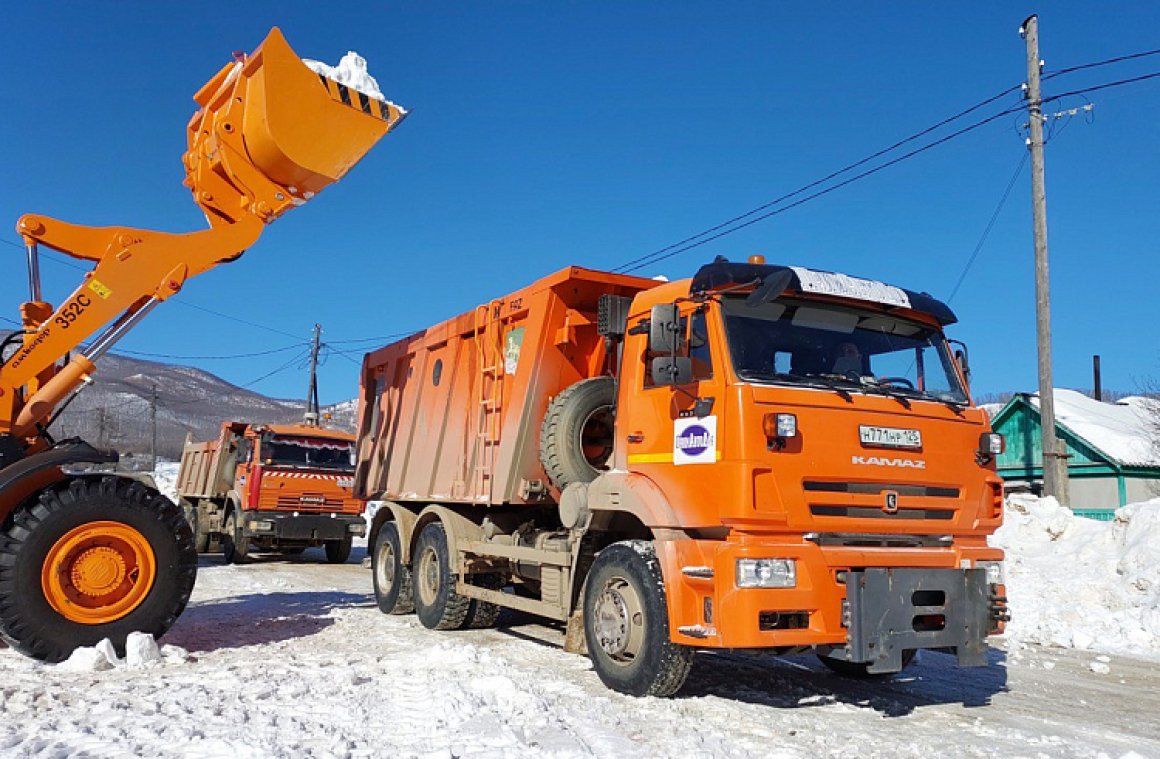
(273, 488)
(759, 457)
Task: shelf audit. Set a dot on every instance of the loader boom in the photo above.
(89, 556)
(269, 135)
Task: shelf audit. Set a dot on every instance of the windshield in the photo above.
(791, 341)
(318, 453)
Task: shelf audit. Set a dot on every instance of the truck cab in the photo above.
(808, 443)
(272, 487)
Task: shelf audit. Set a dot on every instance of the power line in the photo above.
(1104, 86)
(990, 225)
(210, 358)
(828, 190)
(1097, 64)
(653, 258)
(815, 183)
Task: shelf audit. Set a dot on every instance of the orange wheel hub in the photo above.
(98, 572)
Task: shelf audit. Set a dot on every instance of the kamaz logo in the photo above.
(881, 461)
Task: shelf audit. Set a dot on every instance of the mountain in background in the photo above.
(115, 410)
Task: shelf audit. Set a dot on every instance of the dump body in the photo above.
(453, 414)
(792, 455)
(288, 486)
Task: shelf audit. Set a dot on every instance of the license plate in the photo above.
(890, 437)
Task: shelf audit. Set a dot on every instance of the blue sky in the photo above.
(551, 134)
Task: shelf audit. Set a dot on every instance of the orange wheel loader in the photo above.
(83, 555)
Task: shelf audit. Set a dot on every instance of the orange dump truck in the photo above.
(278, 487)
(759, 457)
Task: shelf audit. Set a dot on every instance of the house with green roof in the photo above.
(1113, 457)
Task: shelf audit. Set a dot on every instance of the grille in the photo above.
(870, 512)
(877, 488)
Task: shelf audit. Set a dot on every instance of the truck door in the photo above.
(671, 438)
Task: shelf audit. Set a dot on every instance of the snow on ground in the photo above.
(1076, 582)
(289, 656)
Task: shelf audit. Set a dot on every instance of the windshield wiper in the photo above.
(815, 381)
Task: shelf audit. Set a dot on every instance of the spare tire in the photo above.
(577, 436)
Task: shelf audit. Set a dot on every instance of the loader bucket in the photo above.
(298, 129)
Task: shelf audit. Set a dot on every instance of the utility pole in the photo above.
(1054, 459)
(153, 419)
(311, 416)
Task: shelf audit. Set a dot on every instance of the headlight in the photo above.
(992, 443)
(766, 573)
(994, 571)
(261, 525)
(779, 425)
(357, 528)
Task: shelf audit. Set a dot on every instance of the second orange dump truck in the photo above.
(279, 487)
(759, 457)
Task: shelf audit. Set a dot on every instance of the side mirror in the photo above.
(961, 360)
(664, 332)
(672, 370)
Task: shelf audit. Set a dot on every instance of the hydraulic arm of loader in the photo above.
(269, 134)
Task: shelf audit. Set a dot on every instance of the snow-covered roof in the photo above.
(1123, 430)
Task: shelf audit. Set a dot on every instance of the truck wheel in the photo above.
(392, 578)
(93, 558)
(483, 614)
(235, 547)
(200, 534)
(859, 669)
(437, 604)
(577, 435)
(626, 623)
(338, 551)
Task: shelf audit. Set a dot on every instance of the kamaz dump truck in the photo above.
(276, 487)
(89, 556)
(759, 457)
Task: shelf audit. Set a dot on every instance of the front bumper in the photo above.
(888, 611)
(302, 527)
(853, 602)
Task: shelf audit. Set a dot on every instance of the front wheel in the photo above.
(860, 670)
(235, 546)
(626, 623)
(338, 551)
(93, 558)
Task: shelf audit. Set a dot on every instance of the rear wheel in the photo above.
(484, 614)
(392, 578)
(338, 551)
(437, 604)
(626, 623)
(235, 546)
(93, 558)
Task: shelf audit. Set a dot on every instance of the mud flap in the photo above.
(895, 609)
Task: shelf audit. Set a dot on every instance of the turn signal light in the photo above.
(779, 425)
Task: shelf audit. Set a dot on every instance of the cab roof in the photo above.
(722, 274)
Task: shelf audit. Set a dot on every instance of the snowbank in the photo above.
(1079, 583)
(352, 72)
(165, 476)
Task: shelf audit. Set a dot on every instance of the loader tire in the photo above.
(392, 578)
(626, 623)
(577, 434)
(338, 551)
(93, 558)
(235, 546)
(437, 604)
(483, 614)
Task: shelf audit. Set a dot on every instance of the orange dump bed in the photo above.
(453, 413)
